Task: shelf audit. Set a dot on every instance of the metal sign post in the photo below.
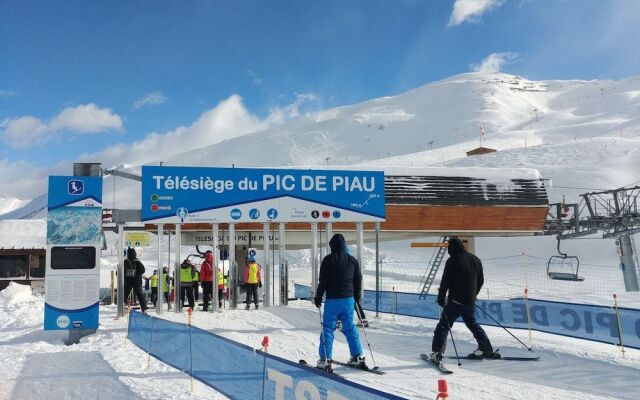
(284, 268)
(160, 271)
(267, 266)
(233, 268)
(329, 236)
(314, 257)
(120, 271)
(216, 260)
(177, 262)
(360, 241)
(377, 269)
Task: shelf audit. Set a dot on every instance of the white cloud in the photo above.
(23, 132)
(87, 118)
(493, 62)
(150, 99)
(227, 120)
(6, 93)
(279, 115)
(28, 131)
(23, 180)
(471, 10)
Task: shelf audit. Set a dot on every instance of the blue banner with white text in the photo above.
(196, 194)
(584, 321)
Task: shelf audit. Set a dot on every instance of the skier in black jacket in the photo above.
(341, 281)
(133, 270)
(463, 279)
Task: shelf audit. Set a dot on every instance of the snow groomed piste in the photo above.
(222, 363)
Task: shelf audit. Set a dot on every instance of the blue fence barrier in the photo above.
(237, 370)
(584, 321)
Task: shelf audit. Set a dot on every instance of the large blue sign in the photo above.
(74, 224)
(193, 194)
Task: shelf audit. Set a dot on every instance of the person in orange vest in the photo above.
(252, 281)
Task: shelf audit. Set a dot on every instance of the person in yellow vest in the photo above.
(165, 287)
(187, 274)
(153, 280)
(252, 281)
(220, 287)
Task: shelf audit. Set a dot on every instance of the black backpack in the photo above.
(129, 269)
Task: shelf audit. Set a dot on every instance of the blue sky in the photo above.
(80, 77)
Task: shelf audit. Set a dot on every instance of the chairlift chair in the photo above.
(563, 267)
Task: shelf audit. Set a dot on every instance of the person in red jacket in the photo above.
(206, 278)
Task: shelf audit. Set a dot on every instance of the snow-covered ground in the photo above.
(36, 364)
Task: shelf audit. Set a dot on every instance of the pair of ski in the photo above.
(441, 367)
(374, 370)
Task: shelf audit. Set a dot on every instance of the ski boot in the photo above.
(257, 306)
(357, 362)
(435, 357)
(247, 307)
(324, 364)
(489, 354)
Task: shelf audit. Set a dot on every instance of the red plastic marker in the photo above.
(443, 390)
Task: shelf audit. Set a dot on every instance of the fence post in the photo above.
(153, 321)
(615, 305)
(526, 304)
(190, 350)
(395, 302)
(128, 311)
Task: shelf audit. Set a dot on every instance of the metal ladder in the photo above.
(434, 265)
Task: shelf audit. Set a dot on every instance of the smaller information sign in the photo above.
(72, 281)
(137, 239)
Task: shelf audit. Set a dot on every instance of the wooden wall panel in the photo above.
(426, 219)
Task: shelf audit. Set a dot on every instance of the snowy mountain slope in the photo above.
(516, 114)
(10, 204)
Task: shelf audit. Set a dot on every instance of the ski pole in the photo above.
(451, 334)
(373, 360)
(502, 326)
(153, 321)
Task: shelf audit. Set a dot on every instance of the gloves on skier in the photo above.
(259, 284)
(440, 301)
(317, 301)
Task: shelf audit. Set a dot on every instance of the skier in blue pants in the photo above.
(341, 280)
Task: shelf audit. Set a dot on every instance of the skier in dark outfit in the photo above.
(341, 280)
(463, 279)
(133, 270)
